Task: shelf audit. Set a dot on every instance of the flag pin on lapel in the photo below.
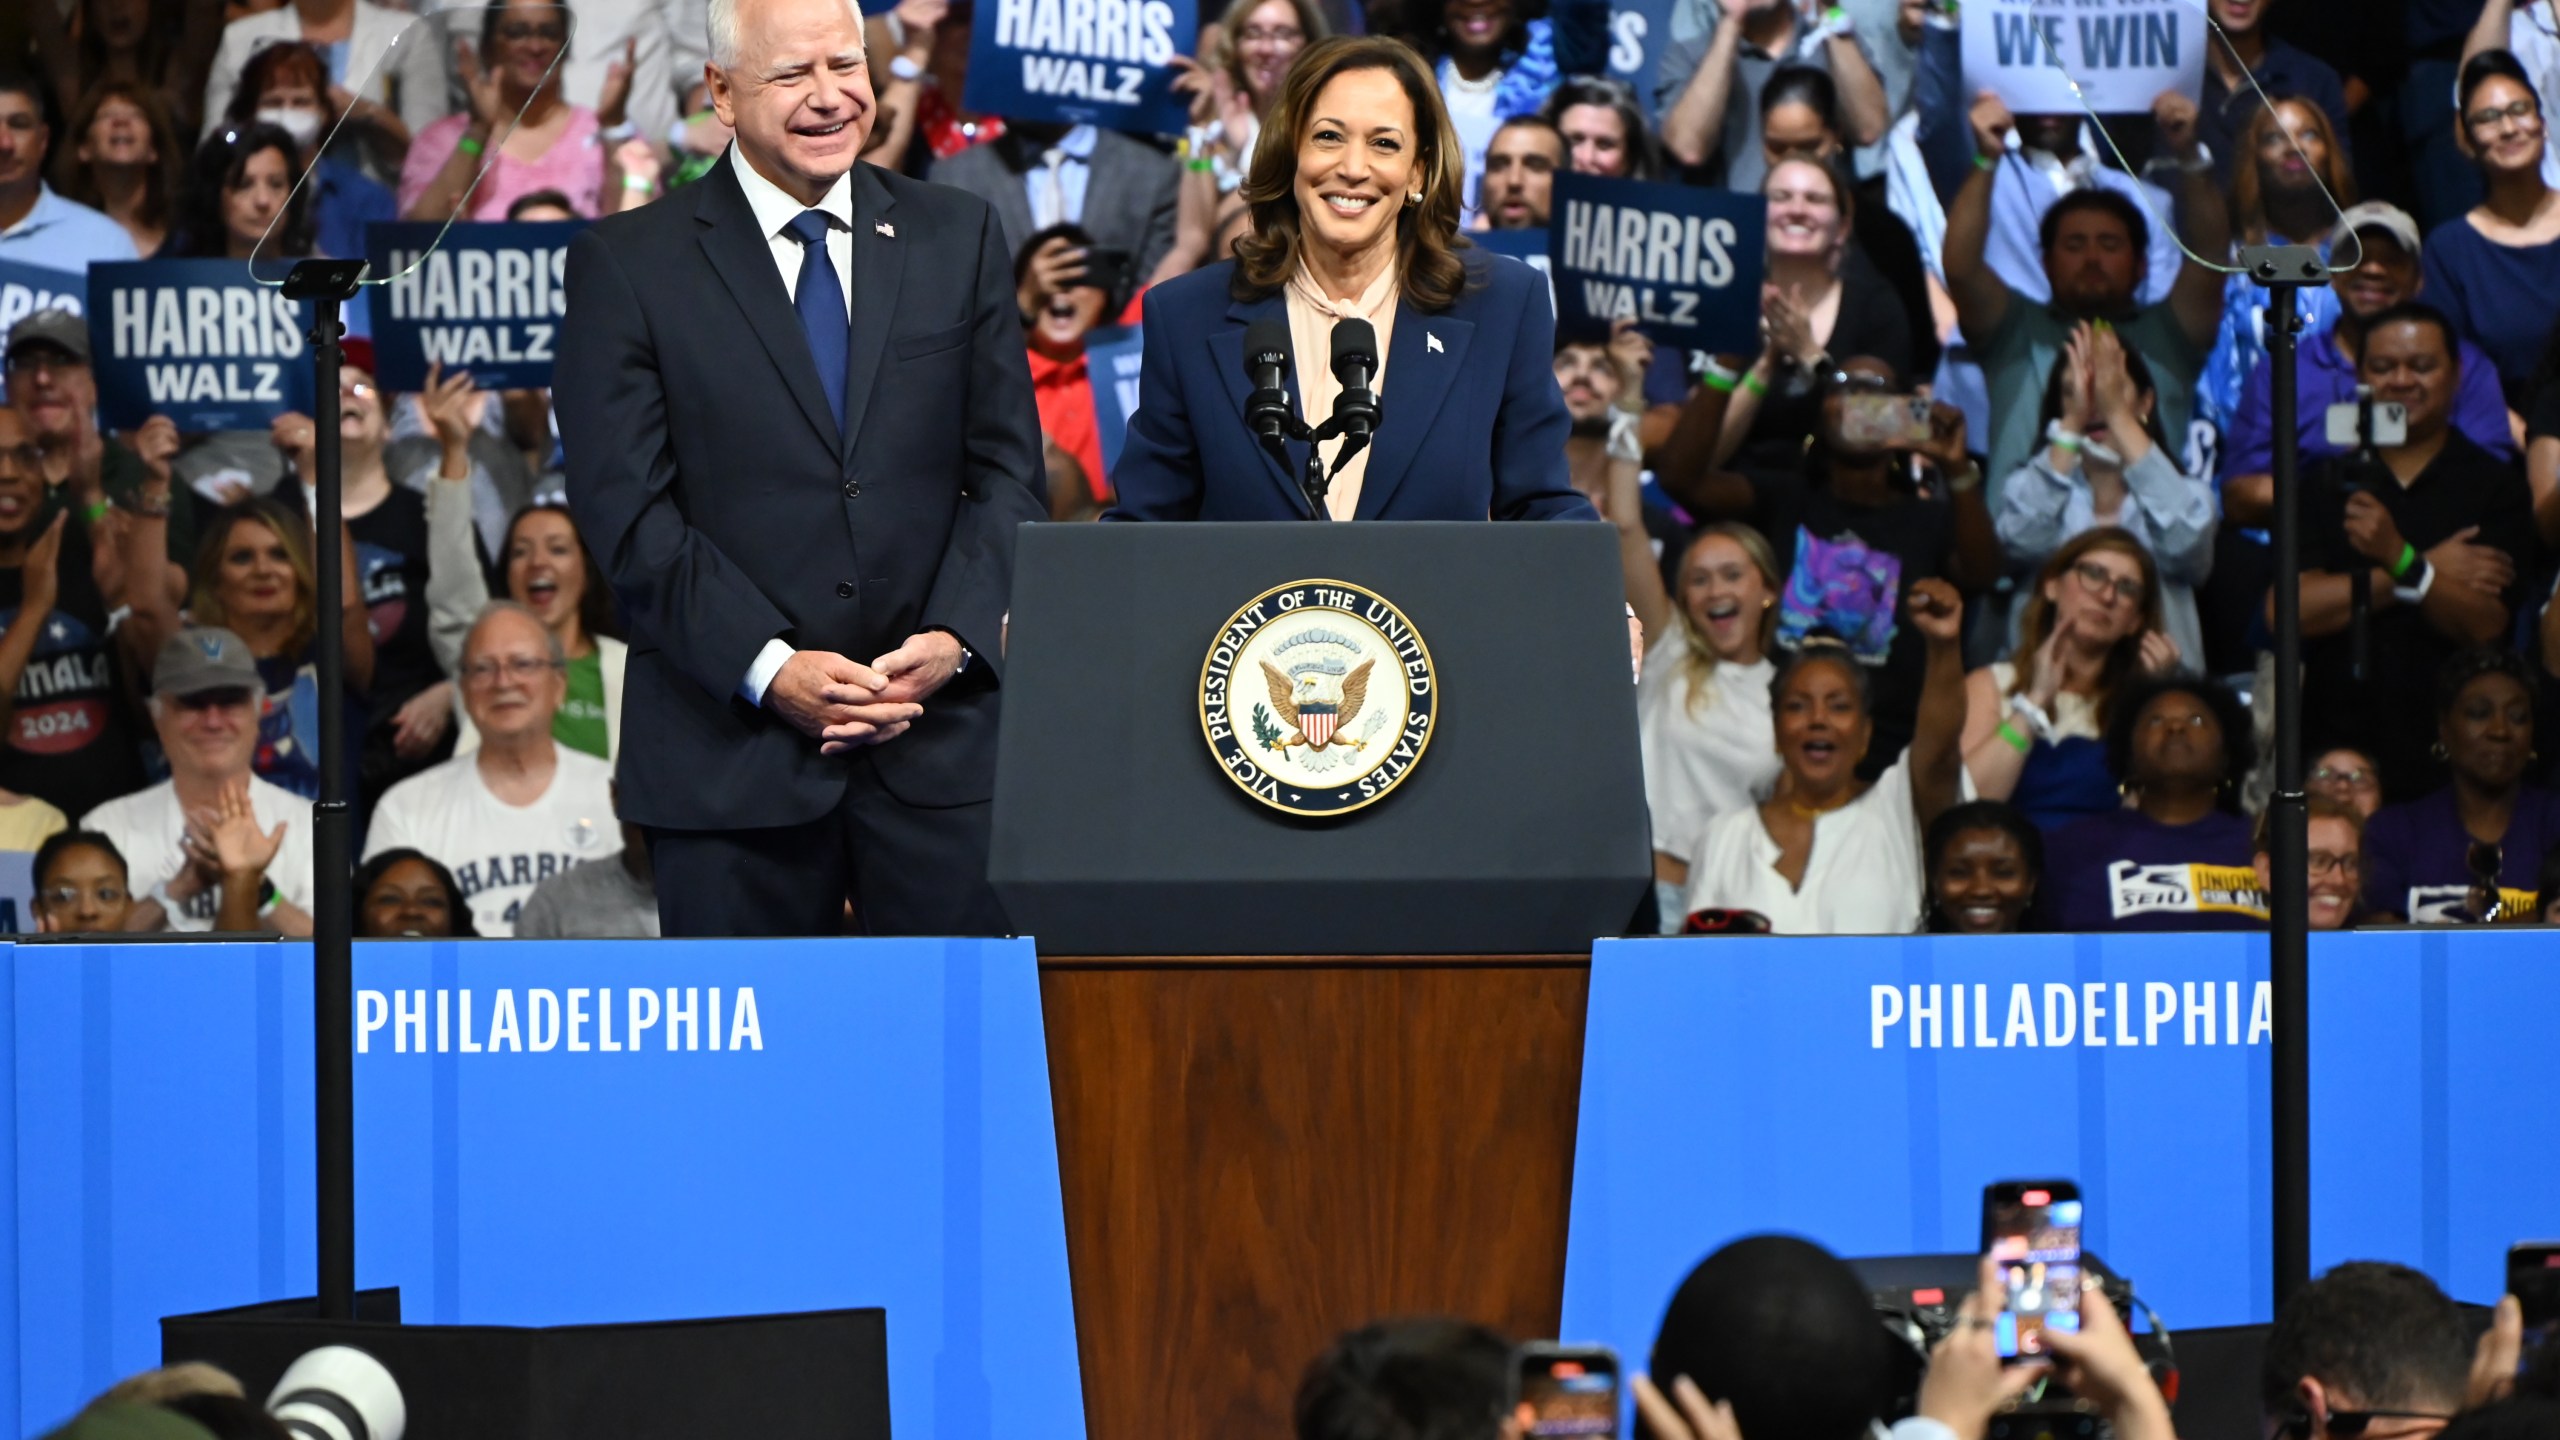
(885, 228)
(1431, 342)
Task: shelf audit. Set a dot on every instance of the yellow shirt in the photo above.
(28, 822)
(1312, 315)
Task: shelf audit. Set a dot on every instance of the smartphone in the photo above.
(1108, 271)
(1565, 1390)
(2390, 424)
(2031, 1230)
(1874, 421)
(2533, 1277)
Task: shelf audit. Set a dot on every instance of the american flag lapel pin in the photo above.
(1431, 342)
(885, 228)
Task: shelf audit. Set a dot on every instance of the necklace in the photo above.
(1815, 812)
(1465, 86)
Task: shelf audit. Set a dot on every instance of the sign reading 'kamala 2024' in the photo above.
(1097, 62)
(487, 300)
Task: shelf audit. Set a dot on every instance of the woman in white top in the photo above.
(2106, 462)
(1826, 853)
(2035, 723)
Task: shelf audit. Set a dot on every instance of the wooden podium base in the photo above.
(1261, 1152)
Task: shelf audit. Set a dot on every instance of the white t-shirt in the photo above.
(148, 826)
(1863, 877)
(1700, 763)
(498, 852)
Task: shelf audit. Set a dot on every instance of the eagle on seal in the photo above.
(1316, 706)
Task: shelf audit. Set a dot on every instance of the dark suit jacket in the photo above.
(708, 477)
(1471, 429)
(1131, 196)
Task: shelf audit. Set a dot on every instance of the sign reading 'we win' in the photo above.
(2122, 53)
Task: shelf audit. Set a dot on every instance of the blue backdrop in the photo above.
(1738, 1086)
(889, 1144)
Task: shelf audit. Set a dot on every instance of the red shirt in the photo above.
(1064, 390)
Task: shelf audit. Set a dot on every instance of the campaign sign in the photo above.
(487, 300)
(1529, 247)
(197, 341)
(1637, 32)
(26, 289)
(1685, 262)
(548, 1133)
(2122, 53)
(1098, 62)
(1112, 358)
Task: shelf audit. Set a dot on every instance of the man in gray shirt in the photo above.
(1718, 58)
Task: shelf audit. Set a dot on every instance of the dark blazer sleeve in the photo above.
(1002, 483)
(1158, 477)
(1530, 479)
(702, 611)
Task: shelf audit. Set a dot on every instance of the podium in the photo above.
(1310, 1071)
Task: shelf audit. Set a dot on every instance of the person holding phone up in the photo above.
(2107, 462)
(1065, 286)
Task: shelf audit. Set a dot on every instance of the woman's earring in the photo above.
(1413, 197)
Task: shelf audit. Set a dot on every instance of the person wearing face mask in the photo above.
(2107, 462)
(2447, 857)
(287, 85)
(216, 846)
(2443, 533)
(1820, 299)
(2035, 723)
(404, 894)
(1984, 860)
(391, 87)
(123, 161)
(2336, 881)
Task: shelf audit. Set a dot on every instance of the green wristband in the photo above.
(1721, 384)
(471, 147)
(2408, 558)
(94, 512)
(2015, 741)
(1752, 382)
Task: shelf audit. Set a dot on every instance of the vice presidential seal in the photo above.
(1317, 697)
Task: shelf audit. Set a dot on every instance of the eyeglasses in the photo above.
(2351, 778)
(2347, 1424)
(358, 389)
(518, 668)
(2330, 862)
(210, 700)
(2100, 583)
(2522, 112)
(40, 362)
(63, 897)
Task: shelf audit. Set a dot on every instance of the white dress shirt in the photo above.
(775, 209)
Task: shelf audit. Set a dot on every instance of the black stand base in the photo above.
(825, 1372)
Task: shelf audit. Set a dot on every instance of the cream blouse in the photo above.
(1312, 315)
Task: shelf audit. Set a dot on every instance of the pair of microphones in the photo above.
(1355, 412)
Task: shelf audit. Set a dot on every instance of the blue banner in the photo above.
(1686, 262)
(550, 1133)
(197, 341)
(487, 300)
(25, 289)
(1112, 358)
(1097, 62)
(1637, 32)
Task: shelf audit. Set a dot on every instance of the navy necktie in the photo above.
(820, 300)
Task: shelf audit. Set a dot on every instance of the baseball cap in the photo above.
(201, 658)
(60, 329)
(2390, 219)
(357, 353)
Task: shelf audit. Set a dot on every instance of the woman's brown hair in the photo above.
(2125, 659)
(78, 182)
(204, 602)
(1427, 240)
(2248, 182)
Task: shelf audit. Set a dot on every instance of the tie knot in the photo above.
(809, 227)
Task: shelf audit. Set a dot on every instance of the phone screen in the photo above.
(1877, 420)
(1568, 1390)
(2033, 1232)
(2533, 1277)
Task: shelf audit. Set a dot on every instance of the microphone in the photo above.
(1355, 364)
(1266, 363)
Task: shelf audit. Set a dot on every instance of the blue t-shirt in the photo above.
(2487, 290)
(2126, 871)
(2417, 857)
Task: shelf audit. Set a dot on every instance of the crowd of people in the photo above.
(1955, 592)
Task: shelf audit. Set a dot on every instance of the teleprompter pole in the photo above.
(330, 283)
(2284, 270)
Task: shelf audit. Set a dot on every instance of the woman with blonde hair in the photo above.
(1354, 193)
(2035, 724)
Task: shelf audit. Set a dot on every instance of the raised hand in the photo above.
(241, 849)
(1966, 1384)
(1695, 1417)
(1992, 125)
(613, 98)
(2159, 653)
(1631, 354)
(454, 407)
(1936, 610)
(155, 445)
(40, 574)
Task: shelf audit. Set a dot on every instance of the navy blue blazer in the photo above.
(1472, 424)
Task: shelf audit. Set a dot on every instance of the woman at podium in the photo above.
(1354, 192)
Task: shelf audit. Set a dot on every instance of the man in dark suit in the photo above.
(1124, 192)
(780, 480)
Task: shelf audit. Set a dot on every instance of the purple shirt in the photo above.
(2326, 377)
(2126, 871)
(2417, 856)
